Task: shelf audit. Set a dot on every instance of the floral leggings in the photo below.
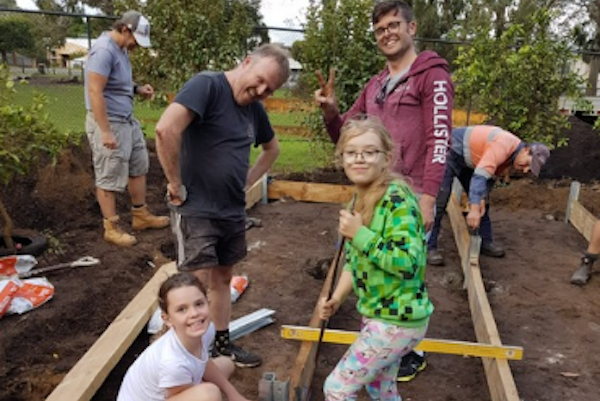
(372, 361)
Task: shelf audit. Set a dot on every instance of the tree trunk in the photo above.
(8, 227)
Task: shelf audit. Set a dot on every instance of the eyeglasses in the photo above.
(392, 27)
(369, 156)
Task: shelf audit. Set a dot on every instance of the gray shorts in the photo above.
(205, 243)
(113, 167)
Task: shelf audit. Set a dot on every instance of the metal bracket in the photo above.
(271, 389)
(573, 196)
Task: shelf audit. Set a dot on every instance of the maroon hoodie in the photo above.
(418, 115)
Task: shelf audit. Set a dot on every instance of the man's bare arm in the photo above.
(169, 130)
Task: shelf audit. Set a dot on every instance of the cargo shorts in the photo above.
(113, 167)
(206, 243)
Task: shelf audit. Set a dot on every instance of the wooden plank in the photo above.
(433, 345)
(582, 219)
(254, 194)
(310, 192)
(305, 363)
(88, 374)
(499, 377)
(459, 228)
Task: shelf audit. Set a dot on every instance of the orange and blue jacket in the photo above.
(486, 149)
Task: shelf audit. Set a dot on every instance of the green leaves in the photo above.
(26, 134)
(517, 78)
(16, 33)
(338, 35)
(188, 37)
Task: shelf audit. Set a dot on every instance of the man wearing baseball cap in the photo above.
(118, 146)
(477, 155)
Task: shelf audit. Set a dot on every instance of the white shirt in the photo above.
(164, 364)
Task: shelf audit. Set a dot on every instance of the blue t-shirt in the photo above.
(109, 60)
(215, 147)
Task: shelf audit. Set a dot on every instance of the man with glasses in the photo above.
(118, 146)
(413, 97)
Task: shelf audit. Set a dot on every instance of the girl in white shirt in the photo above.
(178, 367)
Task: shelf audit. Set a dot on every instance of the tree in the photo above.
(188, 37)
(8, 3)
(586, 36)
(338, 34)
(516, 78)
(26, 135)
(15, 34)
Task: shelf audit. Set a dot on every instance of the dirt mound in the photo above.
(580, 159)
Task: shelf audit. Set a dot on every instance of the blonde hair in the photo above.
(366, 199)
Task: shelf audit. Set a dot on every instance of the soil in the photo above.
(533, 302)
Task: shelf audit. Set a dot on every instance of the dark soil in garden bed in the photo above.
(533, 302)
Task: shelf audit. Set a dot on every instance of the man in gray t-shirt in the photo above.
(203, 140)
(118, 146)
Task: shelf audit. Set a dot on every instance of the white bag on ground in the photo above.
(31, 293)
(16, 264)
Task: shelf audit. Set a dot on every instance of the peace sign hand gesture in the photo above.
(325, 95)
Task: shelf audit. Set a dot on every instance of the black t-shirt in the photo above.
(215, 147)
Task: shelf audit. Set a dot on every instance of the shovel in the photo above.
(82, 262)
(335, 266)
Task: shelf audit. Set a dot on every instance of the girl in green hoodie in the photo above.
(385, 266)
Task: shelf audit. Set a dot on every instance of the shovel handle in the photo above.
(85, 261)
(81, 262)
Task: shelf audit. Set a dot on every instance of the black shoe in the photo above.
(241, 358)
(582, 274)
(411, 364)
(434, 257)
(213, 351)
(491, 249)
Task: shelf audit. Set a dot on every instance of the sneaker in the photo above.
(240, 358)
(491, 249)
(434, 257)
(411, 364)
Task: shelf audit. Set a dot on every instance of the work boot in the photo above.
(491, 249)
(434, 257)
(115, 235)
(143, 219)
(583, 273)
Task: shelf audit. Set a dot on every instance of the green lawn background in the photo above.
(66, 109)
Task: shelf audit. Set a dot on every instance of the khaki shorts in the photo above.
(113, 167)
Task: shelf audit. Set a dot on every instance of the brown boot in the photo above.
(143, 219)
(114, 234)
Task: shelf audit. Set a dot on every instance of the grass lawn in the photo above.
(67, 110)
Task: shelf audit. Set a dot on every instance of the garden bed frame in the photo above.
(579, 216)
(88, 374)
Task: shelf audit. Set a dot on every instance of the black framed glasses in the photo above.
(392, 27)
